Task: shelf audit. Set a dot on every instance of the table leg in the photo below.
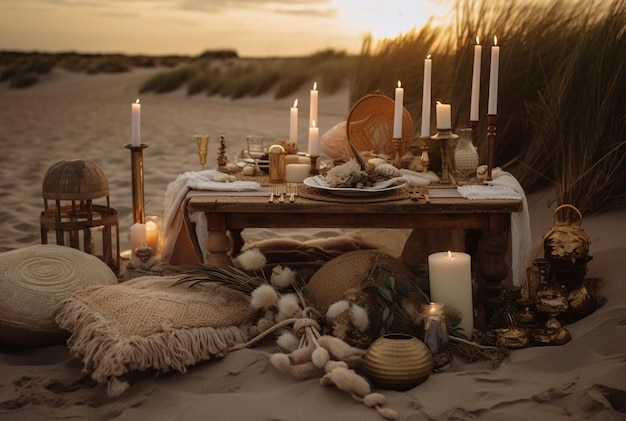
(238, 241)
(492, 267)
(219, 243)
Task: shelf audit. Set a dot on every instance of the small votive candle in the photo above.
(137, 235)
(296, 173)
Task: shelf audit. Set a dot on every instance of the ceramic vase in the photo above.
(465, 157)
(398, 361)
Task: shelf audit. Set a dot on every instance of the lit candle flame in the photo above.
(295, 104)
(137, 102)
(428, 57)
(477, 40)
(399, 84)
(438, 103)
(315, 86)
(449, 254)
(313, 123)
(495, 40)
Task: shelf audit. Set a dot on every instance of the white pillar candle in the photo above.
(314, 135)
(296, 173)
(152, 236)
(474, 104)
(135, 137)
(293, 122)
(313, 105)
(137, 235)
(397, 112)
(450, 276)
(426, 97)
(493, 78)
(444, 120)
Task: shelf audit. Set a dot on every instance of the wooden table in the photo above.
(492, 217)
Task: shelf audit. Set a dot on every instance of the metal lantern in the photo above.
(70, 190)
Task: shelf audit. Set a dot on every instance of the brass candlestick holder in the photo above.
(397, 146)
(491, 138)
(424, 158)
(136, 165)
(314, 170)
(444, 136)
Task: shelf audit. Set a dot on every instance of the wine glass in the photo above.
(255, 150)
(202, 141)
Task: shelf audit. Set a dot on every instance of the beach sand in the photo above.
(78, 116)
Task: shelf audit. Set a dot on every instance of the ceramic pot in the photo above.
(465, 158)
(398, 361)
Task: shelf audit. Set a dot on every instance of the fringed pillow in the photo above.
(152, 322)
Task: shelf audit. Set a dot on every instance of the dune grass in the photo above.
(562, 89)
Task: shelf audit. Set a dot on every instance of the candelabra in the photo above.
(491, 138)
(444, 136)
(136, 162)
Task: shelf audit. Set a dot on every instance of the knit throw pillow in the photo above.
(152, 322)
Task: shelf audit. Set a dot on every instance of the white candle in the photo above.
(450, 276)
(444, 120)
(314, 135)
(493, 78)
(152, 236)
(136, 124)
(293, 122)
(313, 105)
(137, 235)
(474, 104)
(296, 173)
(426, 97)
(397, 113)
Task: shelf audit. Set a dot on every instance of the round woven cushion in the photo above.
(350, 271)
(34, 280)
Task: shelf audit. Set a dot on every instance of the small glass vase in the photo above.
(465, 158)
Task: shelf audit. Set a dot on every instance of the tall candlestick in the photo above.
(313, 105)
(314, 134)
(474, 105)
(397, 114)
(444, 119)
(293, 122)
(493, 78)
(136, 124)
(450, 278)
(428, 65)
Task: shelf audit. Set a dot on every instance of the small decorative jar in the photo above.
(436, 334)
(465, 158)
(397, 361)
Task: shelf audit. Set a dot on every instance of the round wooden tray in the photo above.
(370, 125)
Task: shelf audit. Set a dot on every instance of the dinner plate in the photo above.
(317, 182)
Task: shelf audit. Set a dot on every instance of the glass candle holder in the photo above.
(436, 334)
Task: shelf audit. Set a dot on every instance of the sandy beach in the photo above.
(76, 116)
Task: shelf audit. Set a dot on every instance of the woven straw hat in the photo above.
(34, 281)
(370, 125)
(350, 272)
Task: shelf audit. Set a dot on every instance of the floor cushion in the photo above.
(34, 280)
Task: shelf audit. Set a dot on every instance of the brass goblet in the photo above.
(202, 141)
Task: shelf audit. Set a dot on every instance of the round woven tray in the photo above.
(318, 194)
(370, 125)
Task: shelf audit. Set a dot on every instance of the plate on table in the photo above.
(318, 182)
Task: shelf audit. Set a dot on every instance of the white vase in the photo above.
(465, 158)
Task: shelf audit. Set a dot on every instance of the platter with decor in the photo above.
(380, 187)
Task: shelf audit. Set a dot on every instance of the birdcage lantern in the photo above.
(77, 211)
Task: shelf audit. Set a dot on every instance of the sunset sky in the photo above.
(251, 27)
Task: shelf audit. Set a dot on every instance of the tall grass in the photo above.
(562, 89)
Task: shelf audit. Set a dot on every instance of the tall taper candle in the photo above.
(493, 78)
(397, 114)
(314, 135)
(474, 105)
(428, 65)
(293, 122)
(136, 124)
(313, 105)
